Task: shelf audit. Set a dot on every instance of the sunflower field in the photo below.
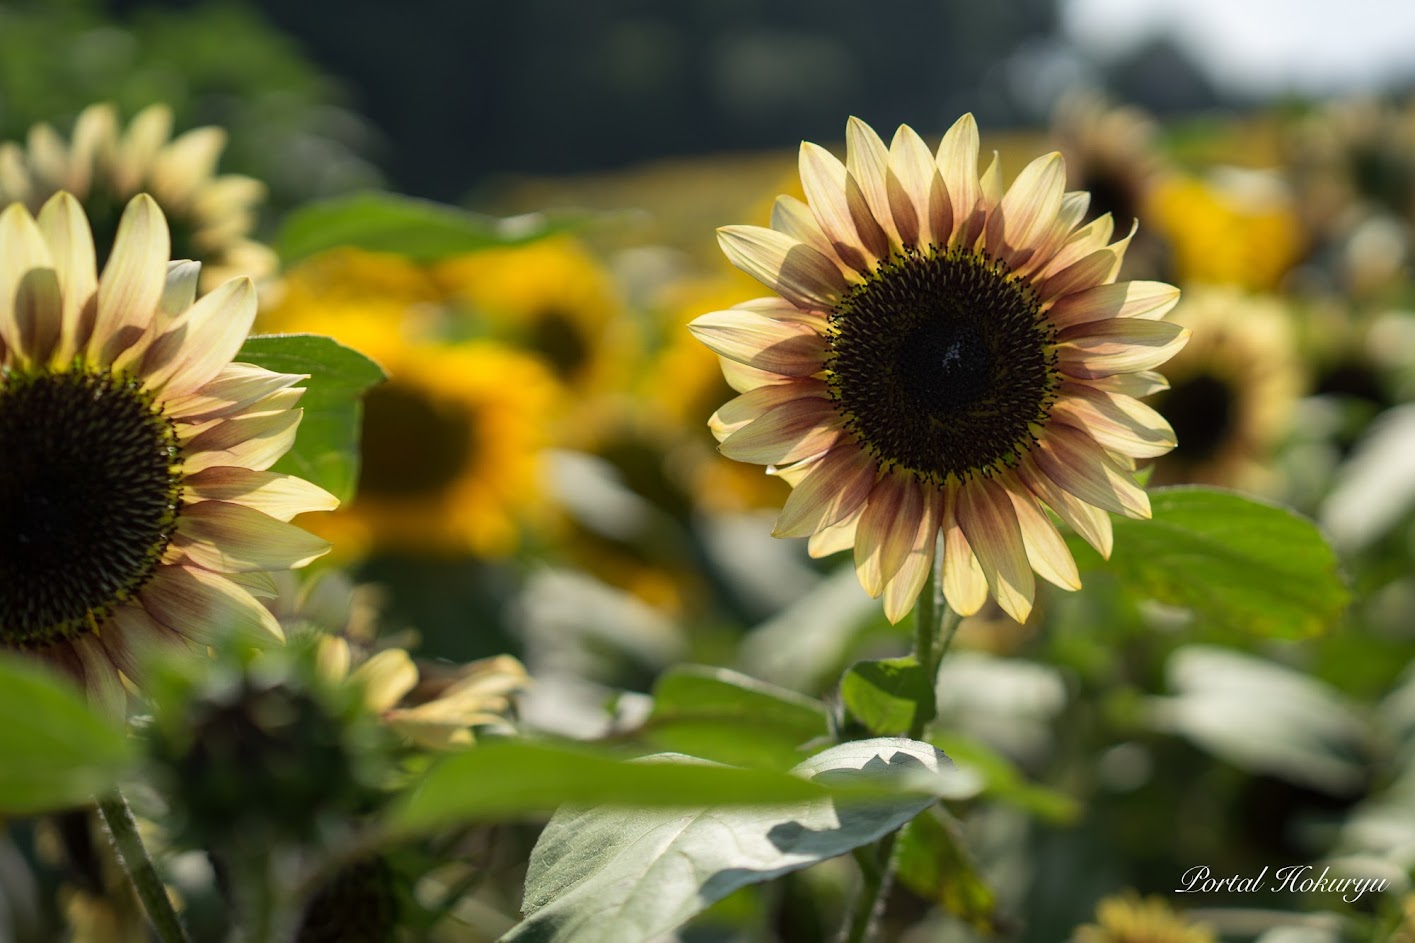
(994, 522)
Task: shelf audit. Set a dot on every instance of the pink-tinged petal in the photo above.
(1097, 268)
(233, 538)
(736, 413)
(1028, 210)
(1146, 300)
(280, 496)
(985, 514)
(134, 640)
(779, 309)
(964, 585)
(1075, 462)
(233, 390)
(794, 218)
(1144, 383)
(205, 338)
(1090, 238)
(1046, 550)
(782, 347)
(788, 433)
(23, 250)
(744, 379)
(840, 208)
(101, 684)
(1117, 422)
(204, 606)
(957, 161)
(1125, 345)
(920, 534)
(1073, 210)
(873, 550)
(132, 281)
(867, 161)
(918, 199)
(835, 538)
(1091, 522)
(66, 231)
(254, 441)
(788, 266)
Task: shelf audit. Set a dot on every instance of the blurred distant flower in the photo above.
(1126, 918)
(1238, 227)
(212, 216)
(553, 298)
(451, 444)
(1112, 153)
(133, 489)
(944, 359)
(1232, 389)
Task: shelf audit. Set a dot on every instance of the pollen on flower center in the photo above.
(90, 488)
(941, 363)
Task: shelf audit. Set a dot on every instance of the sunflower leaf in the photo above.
(887, 695)
(721, 715)
(326, 450)
(421, 230)
(628, 875)
(934, 863)
(1237, 562)
(57, 751)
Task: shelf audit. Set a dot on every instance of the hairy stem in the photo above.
(123, 830)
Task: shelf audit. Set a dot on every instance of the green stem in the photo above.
(933, 635)
(123, 829)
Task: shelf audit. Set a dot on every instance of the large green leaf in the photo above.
(731, 718)
(326, 451)
(514, 778)
(888, 695)
(1240, 563)
(55, 752)
(388, 222)
(631, 875)
(934, 863)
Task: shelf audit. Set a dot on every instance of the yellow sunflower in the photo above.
(551, 297)
(211, 216)
(1126, 918)
(1232, 389)
(946, 358)
(134, 492)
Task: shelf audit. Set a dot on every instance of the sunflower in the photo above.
(136, 503)
(1232, 390)
(1126, 918)
(944, 359)
(211, 216)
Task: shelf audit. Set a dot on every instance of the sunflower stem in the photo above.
(935, 624)
(123, 830)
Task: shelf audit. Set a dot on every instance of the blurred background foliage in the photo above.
(537, 477)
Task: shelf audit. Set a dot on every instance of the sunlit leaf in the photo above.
(388, 222)
(1249, 566)
(326, 450)
(55, 752)
(888, 695)
(721, 715)
(632, 875)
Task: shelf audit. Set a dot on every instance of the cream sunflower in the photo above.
(136, 505)
(1126, 918)
(211, 216)
(946, 360)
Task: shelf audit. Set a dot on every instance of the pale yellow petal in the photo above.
(788, 266)
(204, 606)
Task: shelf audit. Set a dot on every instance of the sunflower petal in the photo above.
(739, 411)
(132, 282)
(251, 441)
(278, 495)
(788, 266)
(988, 521)
(204, 606)
(786, 433)
(957, 161)
(964, 585)
(1148, 300)
(918, 199)
(920, 534)
(873, 550)
(234, 538)
(781, 347)
(1046, 550)
(1028, 210)
(867, 161)
(1127, 345)
(1117, 422)
(1075, 462)
(66, 231)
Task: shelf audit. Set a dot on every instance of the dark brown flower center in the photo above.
(942, 363)
(90, 488)
(413, 446)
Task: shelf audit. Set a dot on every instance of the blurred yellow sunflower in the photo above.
(946, 358)
(211, 216)
(134, 490)
(1237, 227)
(1126, 918)
(1232, 389)
(551, 297)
